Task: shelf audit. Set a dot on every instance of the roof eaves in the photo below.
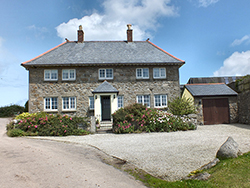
(23, 64)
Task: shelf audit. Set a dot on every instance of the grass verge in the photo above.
(227, 173)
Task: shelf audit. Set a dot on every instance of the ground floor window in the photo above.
(120, 101)
(143, 99)
(91, 103)
(160, 100)
(50, 103)
(69, 103)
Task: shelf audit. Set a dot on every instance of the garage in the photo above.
(215, 111)
(216, 102)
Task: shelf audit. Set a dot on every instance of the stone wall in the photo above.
(244, 100)
(87, 80)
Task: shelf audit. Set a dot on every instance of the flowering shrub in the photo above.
(43, 124)
(139, 118)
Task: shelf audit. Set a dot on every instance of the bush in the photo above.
(10, 111)
(181, 106)
(15, 133)
(43, 124)
(139, 118)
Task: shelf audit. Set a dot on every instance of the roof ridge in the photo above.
(165, 51)
(44, 53)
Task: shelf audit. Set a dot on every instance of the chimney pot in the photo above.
(129, 33)
(80, 34)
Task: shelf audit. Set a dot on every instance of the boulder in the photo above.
(229, 149)
(210, 165)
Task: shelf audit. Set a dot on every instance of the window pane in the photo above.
(164, 100)
(139, 99)
(147, 100)
(139, 73)
(91, 103)
(145, 73)
(102, 73)
(72, 74)
(54, 74)
(109, 73)
(47, 103)
(65, 103)
(54, 103)
(157, 100)
(163, 73)
(156, 73)
(72, 102)
(65, 75)
(120, 101)
(46, 74)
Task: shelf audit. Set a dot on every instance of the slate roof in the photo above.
(225, 79)
(105, 87)
(210, 90)
(104, 52)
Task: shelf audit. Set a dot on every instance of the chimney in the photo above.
(80, 34)
(129, 33)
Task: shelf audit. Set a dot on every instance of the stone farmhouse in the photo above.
(95, 78)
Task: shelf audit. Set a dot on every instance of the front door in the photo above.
(106, 110)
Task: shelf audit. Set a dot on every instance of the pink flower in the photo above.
(119, 125)
(28, 126)
(141, 125)
(70, 118)
(35, 126)
(146, 109)
(143, 116)
(132, 119)
(123, 121)
(65, 131)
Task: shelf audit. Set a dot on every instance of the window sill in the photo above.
(69, 110)
(51, 110)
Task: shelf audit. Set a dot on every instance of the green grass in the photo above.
(234, 173)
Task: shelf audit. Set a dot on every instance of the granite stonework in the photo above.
(244, 100)
(87, 80)
(233, 108)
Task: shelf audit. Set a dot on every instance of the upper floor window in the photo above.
(105, 74)
(143, 99)
(120, 101)
(50, 103)
(69, 103)
(159, 73)
(50, 75)
(91, 103)
(142, 73)
(68, 74)
(160, 100)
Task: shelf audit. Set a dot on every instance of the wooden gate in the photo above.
(215, 111)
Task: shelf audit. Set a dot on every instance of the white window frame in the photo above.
(120, 101)
(68, 73)
(105, 74)
(161, 72)
(142, 76)
(91, 101)
(71, 105)
(49, 72)
(163, 104)
(143, 99)
(49, 101)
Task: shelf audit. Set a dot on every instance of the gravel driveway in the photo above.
(171, 156)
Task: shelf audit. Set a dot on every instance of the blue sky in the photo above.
(212, 36)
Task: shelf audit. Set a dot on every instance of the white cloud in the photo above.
(237, 42)
(238, 64)
(111, 25)
(206, 3)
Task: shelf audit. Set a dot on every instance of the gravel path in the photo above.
(171, 156)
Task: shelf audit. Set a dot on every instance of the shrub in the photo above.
(43, 124)
(139, 118)
(181, 106)
(10, 111)
(15, 132)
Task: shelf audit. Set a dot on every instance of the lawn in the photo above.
(227, 173)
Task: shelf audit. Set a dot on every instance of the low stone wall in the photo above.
(244, 100)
